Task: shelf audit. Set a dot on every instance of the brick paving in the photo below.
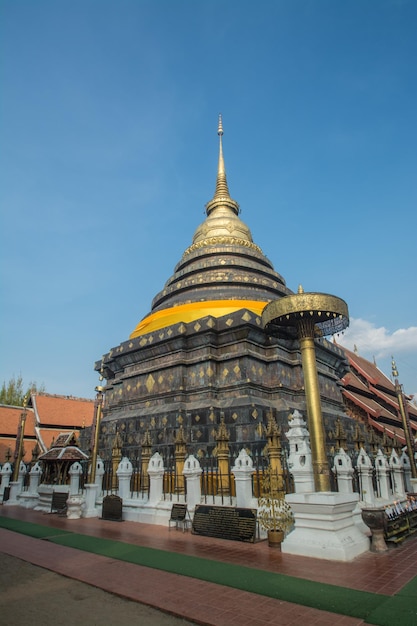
(196, 600)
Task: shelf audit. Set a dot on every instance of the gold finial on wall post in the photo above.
(408, 433)
(19, 450)
(146, 453)
(222, 438)
(273, 436)
(180, 454)
(98, 410)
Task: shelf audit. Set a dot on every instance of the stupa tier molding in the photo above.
(222, 270)
(223, 240)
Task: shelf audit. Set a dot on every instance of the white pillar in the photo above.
(29, 499)
(6, 472)
(365, 471)
(413, 481)
(242, 471)
(300, 461)
(342, 468)
(405, 462)
(16, 487)
(397, 475)
(192, 472)
(34, 478)
(382, 471)
(75, 501)
(75, 472)
(92, 491)
(124, 473)
(156, 475)
(99, 474)
(90, 509)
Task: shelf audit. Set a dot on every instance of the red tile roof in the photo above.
(350, 380)
(69, 453)
(391, 400)
(49, 436)
(9, 424)
(369, 405)
(56, 414)
(64, 411)
(368, 370)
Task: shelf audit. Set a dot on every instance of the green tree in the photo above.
(14, 391)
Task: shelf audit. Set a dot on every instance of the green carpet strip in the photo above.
(398, 609)
(371, 607)
(28, 528)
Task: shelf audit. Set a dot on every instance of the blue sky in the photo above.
(109, 153)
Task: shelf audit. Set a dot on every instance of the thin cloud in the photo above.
(378, 341)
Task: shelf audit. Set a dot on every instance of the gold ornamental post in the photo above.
(116, 457)
(274, 454)
(145, 458)
(180, 454)
(98, 410)
(405, 420)
(306, 316)
(222, 438)
(18, 454)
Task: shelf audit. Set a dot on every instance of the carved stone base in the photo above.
(325, 526)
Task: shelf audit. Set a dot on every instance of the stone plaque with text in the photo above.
(223, 522)
(112, 508)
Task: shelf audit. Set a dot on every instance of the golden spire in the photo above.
(394, 368)
(222, 189)
(221, 195)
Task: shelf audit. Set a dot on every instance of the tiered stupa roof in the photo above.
(221, 272)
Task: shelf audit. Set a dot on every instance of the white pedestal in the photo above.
(90, 509)
(413, 482)
(325, 526)
(15, 490)
(74, 506)
(28, 500)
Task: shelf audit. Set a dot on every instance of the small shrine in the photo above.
(62, 454)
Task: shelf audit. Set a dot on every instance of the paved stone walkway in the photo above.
(33, 595)
(195, 600)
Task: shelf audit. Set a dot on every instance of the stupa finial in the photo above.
(220, 127)
(222, 190)
(221, 195)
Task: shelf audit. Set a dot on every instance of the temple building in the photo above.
(370, 398)
(202, 351)
(47, 417)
